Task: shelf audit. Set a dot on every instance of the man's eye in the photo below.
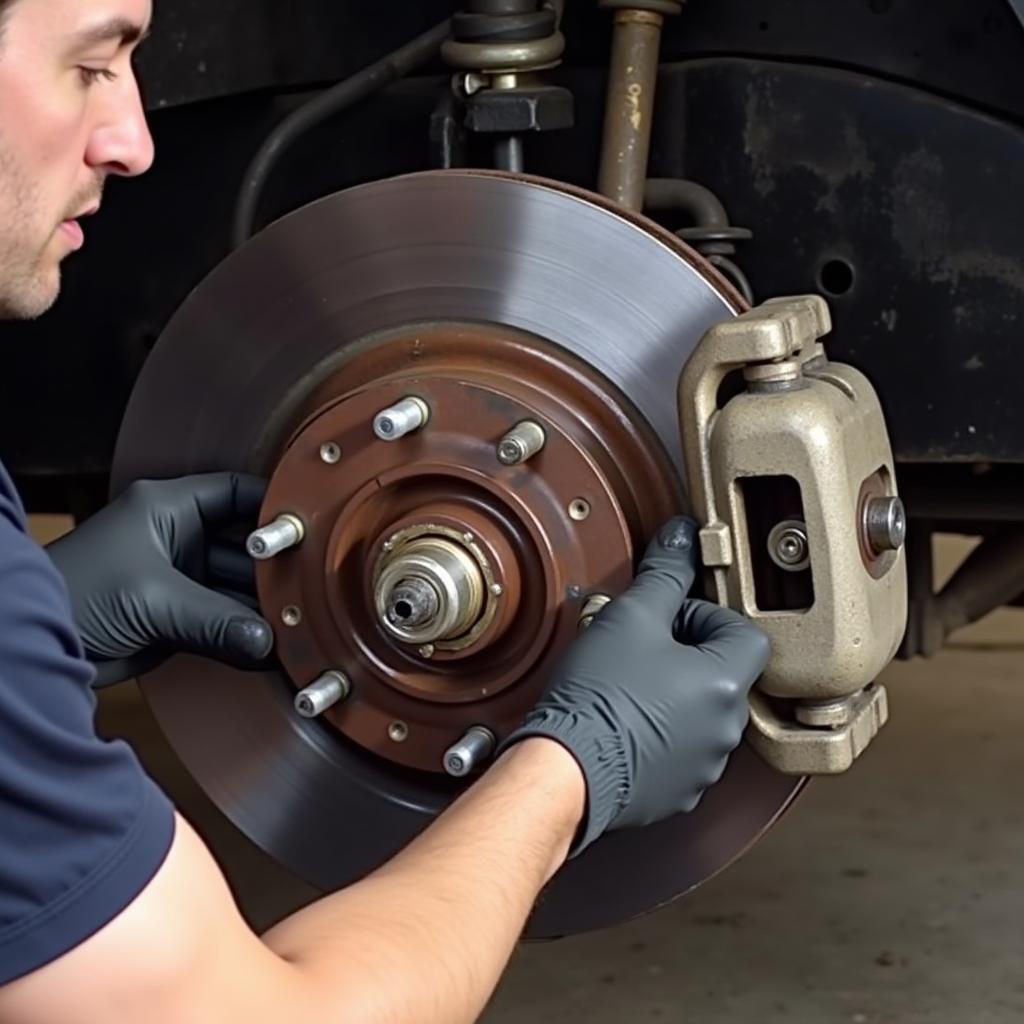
(92, 75)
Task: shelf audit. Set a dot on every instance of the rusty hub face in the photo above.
(440, 580)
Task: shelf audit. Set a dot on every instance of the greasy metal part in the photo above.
(632, 77)
(788, 546)
(311, 297)
(591, 609)
(428, 590)
(322, 694)
(400, 419)
(797, 748)
(522, 442)
(829, 437)
(475, 747)
(285, 532)
(413, 602)
(885, 521)
(291, 615)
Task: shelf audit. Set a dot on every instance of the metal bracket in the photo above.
(790, 479)
(797, 749)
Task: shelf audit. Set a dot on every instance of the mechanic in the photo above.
(112, 911)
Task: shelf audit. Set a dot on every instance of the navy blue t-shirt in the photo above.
(82, 828)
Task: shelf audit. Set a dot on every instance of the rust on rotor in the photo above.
(517, 527)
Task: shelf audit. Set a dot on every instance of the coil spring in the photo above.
(504, 35)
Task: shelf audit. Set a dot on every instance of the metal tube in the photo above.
(669, 194)
(632, 78)
(508, 154)
(330, 102)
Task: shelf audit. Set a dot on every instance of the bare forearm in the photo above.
(426, 937)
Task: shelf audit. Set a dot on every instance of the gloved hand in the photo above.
(135, 571)
(652, 698)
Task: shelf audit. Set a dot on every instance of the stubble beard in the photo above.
(29, 266)
(28, 286)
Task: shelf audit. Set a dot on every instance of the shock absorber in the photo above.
(632, 77)
(498, 48)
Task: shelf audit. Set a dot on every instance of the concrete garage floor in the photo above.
(892, 894)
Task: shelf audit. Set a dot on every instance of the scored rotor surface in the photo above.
(259, 333)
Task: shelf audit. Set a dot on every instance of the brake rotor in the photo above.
(441, 578)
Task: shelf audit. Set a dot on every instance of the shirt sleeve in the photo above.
(82, 828)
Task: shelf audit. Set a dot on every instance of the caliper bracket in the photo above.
(792, 477)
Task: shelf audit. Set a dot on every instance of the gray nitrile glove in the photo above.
(135, 571)
(652, 699)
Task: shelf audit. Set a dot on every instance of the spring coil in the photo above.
(492, 36)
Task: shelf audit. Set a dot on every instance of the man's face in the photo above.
(70, 114)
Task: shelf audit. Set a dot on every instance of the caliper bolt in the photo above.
(522, 442)
(886, 523)
(788, 545)
(322, 694)
(284, 532)
(476, 746)
(400, 419)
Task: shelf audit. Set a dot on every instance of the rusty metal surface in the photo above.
(240, 362)
(478, 381)
(629, 112)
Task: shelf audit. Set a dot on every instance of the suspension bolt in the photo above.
(403, 418)
(284, 532)
(322, 694)
(476, 746)
(522, 442)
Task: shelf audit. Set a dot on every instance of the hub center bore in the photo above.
(427, 590)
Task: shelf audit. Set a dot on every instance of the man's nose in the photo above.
(121, 142)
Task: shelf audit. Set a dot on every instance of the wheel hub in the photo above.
(441, 571)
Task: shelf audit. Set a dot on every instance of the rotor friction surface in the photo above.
(259, 332)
